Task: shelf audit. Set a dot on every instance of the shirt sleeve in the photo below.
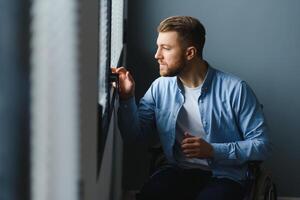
(252, 124)
(137, 123)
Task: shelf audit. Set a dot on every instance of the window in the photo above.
(111, 54)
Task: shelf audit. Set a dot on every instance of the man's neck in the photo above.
(194, 73)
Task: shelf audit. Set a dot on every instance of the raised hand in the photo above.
(126, 83)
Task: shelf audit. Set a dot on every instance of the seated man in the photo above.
(209, 122)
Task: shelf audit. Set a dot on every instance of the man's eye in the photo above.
(166, 48)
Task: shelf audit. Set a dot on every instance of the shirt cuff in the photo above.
(125, 104)
(221, 151)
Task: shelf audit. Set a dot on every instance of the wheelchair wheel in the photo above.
(265, 188)
(270, 192)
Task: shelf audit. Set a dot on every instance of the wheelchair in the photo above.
(259, 183)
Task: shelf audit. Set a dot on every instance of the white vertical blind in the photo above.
(116, 42)
(110, 179)
(103, 46)
(55, 120)
(116, 30)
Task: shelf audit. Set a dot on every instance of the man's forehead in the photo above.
(170, 37)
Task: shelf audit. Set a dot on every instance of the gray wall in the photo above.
(256, 40)
(88, 52)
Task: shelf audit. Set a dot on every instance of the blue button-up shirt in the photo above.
(231, 115)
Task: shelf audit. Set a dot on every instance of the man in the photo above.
(209, 122)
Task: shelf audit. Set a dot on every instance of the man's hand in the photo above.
(126, 83)
(196, 147)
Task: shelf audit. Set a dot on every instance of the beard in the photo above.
(175, 70)
(171, 73)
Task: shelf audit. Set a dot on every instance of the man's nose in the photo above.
(157, 54)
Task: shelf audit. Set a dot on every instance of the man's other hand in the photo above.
(196, 147)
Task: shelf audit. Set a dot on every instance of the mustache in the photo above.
(161, 62)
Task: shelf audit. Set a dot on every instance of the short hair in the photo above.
(189, 29)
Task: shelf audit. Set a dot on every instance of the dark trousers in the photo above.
(172, 183)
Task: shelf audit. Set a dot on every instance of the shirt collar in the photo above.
(208, 78)
(206, 83)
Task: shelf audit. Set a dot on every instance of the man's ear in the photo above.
(191, 52)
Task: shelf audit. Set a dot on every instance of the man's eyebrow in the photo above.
(164, 45)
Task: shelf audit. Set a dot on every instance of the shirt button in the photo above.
(201, 101)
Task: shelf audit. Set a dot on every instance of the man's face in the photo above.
(170, 54)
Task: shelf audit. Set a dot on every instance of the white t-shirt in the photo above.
(189, 120)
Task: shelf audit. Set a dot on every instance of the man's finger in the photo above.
(190, 140)
(113, 69)
(190, 146)
(121, 70)
(189, 151)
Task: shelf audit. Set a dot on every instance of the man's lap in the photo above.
(221, 189)
(177, 184)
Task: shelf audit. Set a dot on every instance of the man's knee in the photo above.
(222, 189)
